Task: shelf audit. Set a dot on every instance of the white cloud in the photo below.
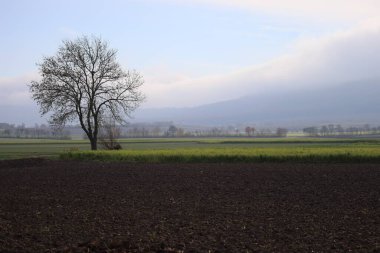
(353, 10)
(342, 57)
(14, 90)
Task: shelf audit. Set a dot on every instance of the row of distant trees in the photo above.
(136, 131)
(338, 130)
(170, 130)
(37, 132)
(280, 132)
(174, 131)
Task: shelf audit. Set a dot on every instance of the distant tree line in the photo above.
(338, 130)
(170, 130)
(164, 130)
(36, 132)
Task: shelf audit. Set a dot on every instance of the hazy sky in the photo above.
(193, 52)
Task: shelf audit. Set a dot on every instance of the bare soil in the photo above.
(69, 206)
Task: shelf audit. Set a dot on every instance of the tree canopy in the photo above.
(84, 82)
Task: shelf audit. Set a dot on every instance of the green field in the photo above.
(202, 150)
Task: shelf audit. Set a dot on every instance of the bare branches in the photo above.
(84, 82)
(109, 134)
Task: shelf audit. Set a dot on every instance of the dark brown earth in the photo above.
(68, 206)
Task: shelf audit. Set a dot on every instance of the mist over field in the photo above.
(349, 104)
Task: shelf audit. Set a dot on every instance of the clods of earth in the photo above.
(71, 206)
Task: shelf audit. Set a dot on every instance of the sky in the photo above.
(194, 52)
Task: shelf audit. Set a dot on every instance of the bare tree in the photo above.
(248, 131)
(84, 82)
(172, 131)
(281, 132)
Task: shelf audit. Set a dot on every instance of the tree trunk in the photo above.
(94, 144)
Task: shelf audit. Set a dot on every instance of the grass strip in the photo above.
(218, 155)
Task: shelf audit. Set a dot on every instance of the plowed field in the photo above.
(70, 206)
